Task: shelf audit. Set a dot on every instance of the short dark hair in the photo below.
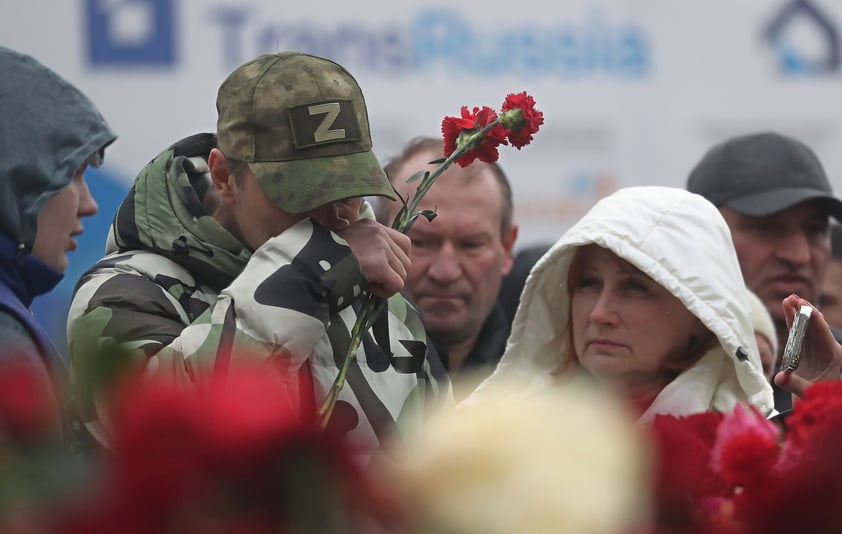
(434, 144)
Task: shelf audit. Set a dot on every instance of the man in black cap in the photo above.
(831, 296)
(774, 194)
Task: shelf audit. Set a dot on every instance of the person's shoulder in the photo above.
(139, 263)
(14, 334)
(141, 283)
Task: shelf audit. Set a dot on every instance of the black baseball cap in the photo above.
(761, 174)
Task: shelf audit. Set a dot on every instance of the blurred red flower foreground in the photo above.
(247, 456)
(244, 456)
(740, 474)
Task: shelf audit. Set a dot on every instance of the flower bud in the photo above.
(512, 119)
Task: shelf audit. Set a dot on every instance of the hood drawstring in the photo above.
(181, 247)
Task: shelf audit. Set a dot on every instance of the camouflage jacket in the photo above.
(183, 294)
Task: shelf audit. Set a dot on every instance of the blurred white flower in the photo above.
(566, 460)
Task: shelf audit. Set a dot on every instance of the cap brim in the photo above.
(304, 184)
(771, 202)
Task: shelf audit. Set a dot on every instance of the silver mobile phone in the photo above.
(792, 351)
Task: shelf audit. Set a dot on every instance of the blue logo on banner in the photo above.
(133, 32)
(792, 34)
(446, 38)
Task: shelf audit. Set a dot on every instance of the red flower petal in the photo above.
(451, 127)
(457, 130)
(28, 407)
(683, 476)
(520, 134)
(747, 459)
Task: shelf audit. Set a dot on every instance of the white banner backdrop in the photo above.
(633, 92)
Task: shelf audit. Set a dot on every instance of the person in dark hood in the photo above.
(50, 134)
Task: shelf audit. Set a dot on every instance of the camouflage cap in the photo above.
(301, 124)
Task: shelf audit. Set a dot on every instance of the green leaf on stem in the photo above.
(417, 176)
(428, 214)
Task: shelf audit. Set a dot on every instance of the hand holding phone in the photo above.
(792, 351)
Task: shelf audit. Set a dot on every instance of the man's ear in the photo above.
(509, 239)
(219, 171)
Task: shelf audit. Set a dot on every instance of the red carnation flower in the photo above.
(802, 491)
(683, 473)
(817, 414)
(253, 409)
(747, 459)
(28, 408)
(801, 498)
(459, 131)
(520, 118)
(245, 452)
(160, 446)
(746, 447)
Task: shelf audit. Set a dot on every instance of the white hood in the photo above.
(681, 241)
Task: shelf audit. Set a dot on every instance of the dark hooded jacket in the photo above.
(48, 132)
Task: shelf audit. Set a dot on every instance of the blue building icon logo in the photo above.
(804, 39)
(131, 32)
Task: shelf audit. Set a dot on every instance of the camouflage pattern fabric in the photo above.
(194, 309)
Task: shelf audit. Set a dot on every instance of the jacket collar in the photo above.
(25, 275)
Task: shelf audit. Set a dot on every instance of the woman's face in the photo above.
(627, 329)
(60, 222)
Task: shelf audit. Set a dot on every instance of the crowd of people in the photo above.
(251, 246)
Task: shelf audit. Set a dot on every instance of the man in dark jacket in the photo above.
(773, 193)
(459, 259)
(51, 133)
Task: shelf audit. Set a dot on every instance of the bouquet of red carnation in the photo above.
(740, 473)
(803, 490)
(516, 124)
(242, 455)
(34, 469)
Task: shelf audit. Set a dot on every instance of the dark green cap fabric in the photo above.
(301, 124)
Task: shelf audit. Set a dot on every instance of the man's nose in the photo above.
(794, 247)
(445, 266)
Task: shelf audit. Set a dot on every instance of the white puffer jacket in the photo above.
(681, 241)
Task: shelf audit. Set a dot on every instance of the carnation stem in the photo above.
(373, 305)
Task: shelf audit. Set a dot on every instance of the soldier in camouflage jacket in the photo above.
(198, 279)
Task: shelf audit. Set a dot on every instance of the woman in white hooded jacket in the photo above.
(616, 317)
